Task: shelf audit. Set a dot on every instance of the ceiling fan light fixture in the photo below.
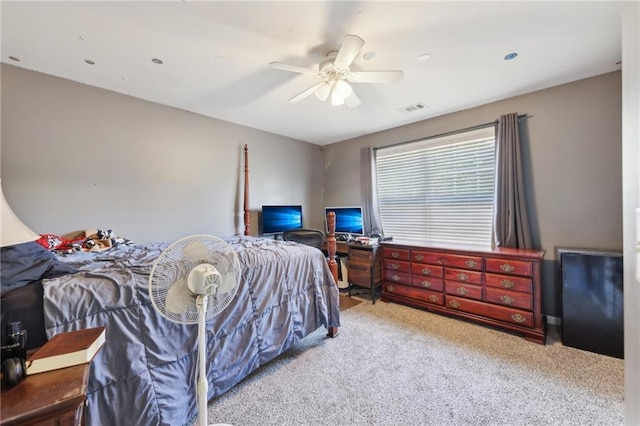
(343, 88)
(322, 93)
(336, 99)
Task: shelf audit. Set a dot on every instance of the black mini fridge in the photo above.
(592, 300)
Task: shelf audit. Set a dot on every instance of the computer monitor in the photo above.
(348, 219)
(277, 219)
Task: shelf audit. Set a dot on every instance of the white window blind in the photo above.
(439, 190)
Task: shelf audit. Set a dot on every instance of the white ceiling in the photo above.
(216, 54)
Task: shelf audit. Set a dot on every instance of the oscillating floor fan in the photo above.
(192, 281)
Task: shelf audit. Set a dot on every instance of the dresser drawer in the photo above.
(456, 261)
(509, 282)
(426, 257)
(397, 265)
(428, 296)
(431, 283)
(424, 270)
(508, 266)
(359, 274)
(516, 299)
(463, 275)
(394, 253)
(359, 255)
(502, 313)
(397, 277)
(462, 289)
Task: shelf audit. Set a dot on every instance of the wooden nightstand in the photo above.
(364, 269)
(53, 398)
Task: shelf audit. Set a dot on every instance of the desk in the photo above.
(364, 268)
(53, 398)
(341, 247)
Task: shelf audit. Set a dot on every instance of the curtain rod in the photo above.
(468, 129)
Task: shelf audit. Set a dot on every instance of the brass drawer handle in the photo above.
(395, 277)
(395, 266)
(441, 261)
(454, 304)
(518, 318)
(507, 299)
(419, 257)
(507, 283)
(395, 254)
(507, 268)
(461, 276)
(463, 291)
(471, 263)
(426, 284)
(391, 288)
(433, 298)
(426, 271)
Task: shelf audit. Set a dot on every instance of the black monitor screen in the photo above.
(277, 219)
(348, 219)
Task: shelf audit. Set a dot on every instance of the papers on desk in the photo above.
(366, 241)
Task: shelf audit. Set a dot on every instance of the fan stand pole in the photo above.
(203, 385)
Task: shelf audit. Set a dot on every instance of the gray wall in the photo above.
(76, 157)
(631, 202)
(572, 156)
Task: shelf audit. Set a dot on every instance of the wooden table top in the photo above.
(42, 395)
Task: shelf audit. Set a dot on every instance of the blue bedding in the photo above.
(146, 372)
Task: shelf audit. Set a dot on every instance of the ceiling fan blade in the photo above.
(348, 51)
(375, 76)
(306, 93)
(293, 68)
(352, 101)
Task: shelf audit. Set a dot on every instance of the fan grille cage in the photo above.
(168, 286)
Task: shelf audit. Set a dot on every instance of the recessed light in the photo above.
(14, 58)
(510, 56)
(81, 38)
(424, 57)
(157, 61)
(369, 55)
(89, 61)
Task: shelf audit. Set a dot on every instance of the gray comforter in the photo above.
(146, 372)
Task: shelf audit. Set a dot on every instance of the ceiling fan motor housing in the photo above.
(328, 71)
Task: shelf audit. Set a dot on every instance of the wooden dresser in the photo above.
(497, 287)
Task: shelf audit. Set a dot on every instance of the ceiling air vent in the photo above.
(413, 107)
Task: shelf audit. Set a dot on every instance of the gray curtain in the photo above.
(510, 219)
(369, 187)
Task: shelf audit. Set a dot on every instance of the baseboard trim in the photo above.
(557, 321)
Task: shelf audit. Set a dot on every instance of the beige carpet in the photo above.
(394, 365)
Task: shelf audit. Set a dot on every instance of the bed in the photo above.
(145, 373)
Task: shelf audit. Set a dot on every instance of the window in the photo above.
(439, 190)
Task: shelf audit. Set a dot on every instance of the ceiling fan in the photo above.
(336, 75)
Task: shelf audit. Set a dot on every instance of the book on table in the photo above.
(66, 350)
